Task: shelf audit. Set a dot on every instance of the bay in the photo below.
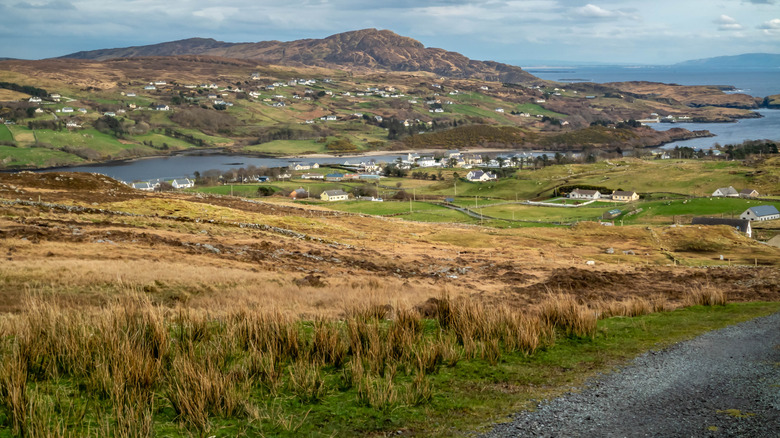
(185, 165)
(764, 128)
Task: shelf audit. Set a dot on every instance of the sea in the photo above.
(759, 83)
(754, 82)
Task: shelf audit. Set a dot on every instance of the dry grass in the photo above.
(563, 312)
(704, 295)
(133, 354)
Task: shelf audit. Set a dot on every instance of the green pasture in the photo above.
(534, 109)
(5, 133)
(83, 138)
(13, 157)
(288, 147)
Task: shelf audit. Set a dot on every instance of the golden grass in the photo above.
(132, 353)
(704, 295)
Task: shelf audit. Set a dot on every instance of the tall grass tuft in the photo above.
(563, 312)
(704, 295)
(306, 381)
(13, 389)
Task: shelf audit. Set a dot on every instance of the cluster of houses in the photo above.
(150, 186)
(743, 224)
(458, 159)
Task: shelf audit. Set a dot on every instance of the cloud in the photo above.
(57, 4)
(771, 27)
(761, 2)
(726, 23)
(594, 12)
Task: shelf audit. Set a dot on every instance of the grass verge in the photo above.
(134, 369)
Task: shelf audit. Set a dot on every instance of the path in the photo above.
(725, 383)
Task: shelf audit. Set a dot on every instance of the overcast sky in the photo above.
(520, 32)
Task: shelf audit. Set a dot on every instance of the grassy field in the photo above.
(288, 147)
(22, 134)
(11, 157)
(5, 134)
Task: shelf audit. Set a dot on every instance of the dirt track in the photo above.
(724, 383)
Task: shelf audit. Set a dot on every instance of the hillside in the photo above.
(353, 92)
(362, 50)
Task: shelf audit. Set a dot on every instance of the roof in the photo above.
(335, 175)
(727, 190)
(585, 192)
(746, 191)
(740, 224)
(330, 193)
(182, 181)
(622, 193)
(764, 210)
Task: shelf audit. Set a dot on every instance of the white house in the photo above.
(480, 176)
(761, 213)
(67, 109)
(162, 107)
(145, 186)
(182, 183)
(729, 192)
(426, 162)
(35, 99)
(584, 194)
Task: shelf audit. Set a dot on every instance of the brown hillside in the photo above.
(363, 49)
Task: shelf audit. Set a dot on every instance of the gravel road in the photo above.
(725, 383)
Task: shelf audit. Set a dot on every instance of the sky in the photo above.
(519, 32)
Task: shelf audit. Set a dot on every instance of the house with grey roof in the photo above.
(334, 195)
(145, 186)
(480, 176)
(584, 194)
(748, 193)
(761, 213)
(739, 224)
(728, 192)
(182, 183)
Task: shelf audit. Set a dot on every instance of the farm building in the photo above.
(740, 224)
(761, 213)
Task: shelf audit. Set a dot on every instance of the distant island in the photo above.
(744, 61)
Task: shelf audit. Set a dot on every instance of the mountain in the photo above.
(745, 61)
(367, 49)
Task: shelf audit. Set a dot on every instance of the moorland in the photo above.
(230, 309)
